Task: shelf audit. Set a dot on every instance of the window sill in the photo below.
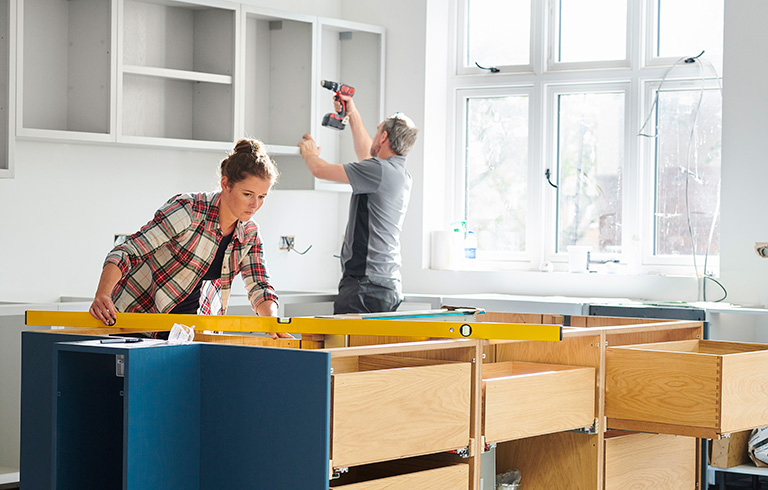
(557, 268)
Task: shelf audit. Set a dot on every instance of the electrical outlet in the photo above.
(761, 248)
(286, 242)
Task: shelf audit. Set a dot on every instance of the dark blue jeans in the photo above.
(358, 294)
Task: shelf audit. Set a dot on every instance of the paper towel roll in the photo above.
(445, 250)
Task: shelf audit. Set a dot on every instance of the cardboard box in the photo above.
(730, 451)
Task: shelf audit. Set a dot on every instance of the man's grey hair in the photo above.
(401, 132)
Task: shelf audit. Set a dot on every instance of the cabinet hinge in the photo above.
(463, 452)
(120, 366)
(592, 429)
(337, 472)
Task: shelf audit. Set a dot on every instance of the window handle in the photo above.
(492, 69)
(548, 174)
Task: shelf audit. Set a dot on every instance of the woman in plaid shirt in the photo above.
(184, 259)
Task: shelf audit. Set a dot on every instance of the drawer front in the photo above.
(530, 405)
(395, 413)
(744, 395)
(455, 477)
(650, 461)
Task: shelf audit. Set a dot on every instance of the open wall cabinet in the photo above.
(194, 74)
(7, 85)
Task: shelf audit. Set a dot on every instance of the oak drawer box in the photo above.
(525, 399)
(453, 477)
(388, 407)
(698, 388)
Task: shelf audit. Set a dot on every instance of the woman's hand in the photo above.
(269, 308)
(103, 309)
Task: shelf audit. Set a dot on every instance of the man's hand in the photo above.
(350, 103)
(308, 147)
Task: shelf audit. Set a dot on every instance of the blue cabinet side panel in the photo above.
(162, 448)
(265, 418)
(37, 399)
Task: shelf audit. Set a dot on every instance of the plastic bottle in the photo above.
(470, 245)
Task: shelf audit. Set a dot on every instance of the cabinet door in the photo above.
(650, 461)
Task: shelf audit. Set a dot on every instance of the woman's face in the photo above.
(244, 198)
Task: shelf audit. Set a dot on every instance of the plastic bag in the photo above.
(181, 334)
(509, 480)
(758, 446)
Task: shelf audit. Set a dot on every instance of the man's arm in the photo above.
(360, 137)
(317, 166)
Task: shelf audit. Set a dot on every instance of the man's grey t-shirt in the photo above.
(381, 189)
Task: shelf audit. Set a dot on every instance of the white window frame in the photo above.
(533, 213)
(651, 16)
(553, 40)
(667, 263)
(543, 81)
(553, 91)
(462, 46)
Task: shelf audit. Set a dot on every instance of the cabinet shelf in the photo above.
(171, 73)
(283, 150)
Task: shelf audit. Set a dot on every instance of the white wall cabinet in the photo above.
(192, 74)
(346, 52)
(65, 69)
(176, 73)
(7, 85)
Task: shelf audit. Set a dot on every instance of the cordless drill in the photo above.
(337, 120)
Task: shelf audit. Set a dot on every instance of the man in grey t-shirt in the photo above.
(381, 188)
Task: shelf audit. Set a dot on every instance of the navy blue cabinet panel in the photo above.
(157, 416)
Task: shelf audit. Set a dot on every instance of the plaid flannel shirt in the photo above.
(166, 258)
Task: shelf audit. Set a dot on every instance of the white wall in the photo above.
(745, 151)
(59, 213)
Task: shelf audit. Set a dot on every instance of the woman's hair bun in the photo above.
(248, 146)
(249, 157)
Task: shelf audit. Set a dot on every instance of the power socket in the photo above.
(287, 242)
(761, 248)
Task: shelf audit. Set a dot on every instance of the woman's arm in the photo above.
(261, 294)
(102, 307)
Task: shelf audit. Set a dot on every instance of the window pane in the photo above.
(686, 27)
(590, 160)
(498, 32)
(592, 30)
(497, 172)
(687, 168)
